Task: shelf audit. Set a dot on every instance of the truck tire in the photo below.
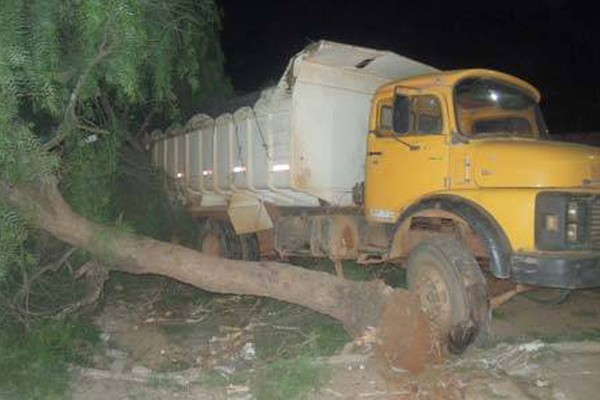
(218, 238)
(452, 290)
(250, 247)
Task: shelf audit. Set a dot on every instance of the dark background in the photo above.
(553, 44)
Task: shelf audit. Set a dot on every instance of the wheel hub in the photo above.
(434, 298)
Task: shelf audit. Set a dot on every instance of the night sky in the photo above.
(553, 44)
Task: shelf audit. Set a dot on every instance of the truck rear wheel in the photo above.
(218, 238)
(452, 291)
(250, 247)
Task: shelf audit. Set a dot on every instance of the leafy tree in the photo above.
(80, 83)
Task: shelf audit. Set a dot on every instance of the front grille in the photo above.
(594, 223)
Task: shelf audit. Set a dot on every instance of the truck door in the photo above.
(407, 154)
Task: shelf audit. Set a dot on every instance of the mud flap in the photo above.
(248, 214)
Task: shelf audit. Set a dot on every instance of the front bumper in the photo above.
(568, 271)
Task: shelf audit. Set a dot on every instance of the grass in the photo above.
(287, 379)
(35, 365)
(294, 331)
(288, 338)
(330, 336)
(176, 294)
(584, 313)
(157, 381)
(213, 379)
(286, 368)
(393, 275)
(172, 292)
(579, 336)
(499, 315)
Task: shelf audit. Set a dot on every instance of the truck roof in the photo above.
(450, 78)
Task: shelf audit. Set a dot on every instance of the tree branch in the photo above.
(69, 117)
(93, 129)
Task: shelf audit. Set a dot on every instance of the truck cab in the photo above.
(471, 148)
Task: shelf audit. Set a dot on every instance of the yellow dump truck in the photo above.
(367, 155)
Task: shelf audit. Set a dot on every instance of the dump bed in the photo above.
(300, 144)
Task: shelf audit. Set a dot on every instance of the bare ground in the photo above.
(207, 347)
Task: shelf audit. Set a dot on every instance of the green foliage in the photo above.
(27, 295)
(134, 51)
(90, 169)
(146, 200)
(330, 336)
(70, 69)
(34, 364)
(14, 232)
(22, 158)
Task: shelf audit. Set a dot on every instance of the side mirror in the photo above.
(401, 116)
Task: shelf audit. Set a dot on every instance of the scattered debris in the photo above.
(146, 341)
(238, 392)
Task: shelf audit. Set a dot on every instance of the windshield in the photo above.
(487, 107)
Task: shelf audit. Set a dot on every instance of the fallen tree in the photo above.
(371, 310)
(356, 304)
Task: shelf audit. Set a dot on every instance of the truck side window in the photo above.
(385, 119)
(417, 114)
(428, 114)
(402, 116)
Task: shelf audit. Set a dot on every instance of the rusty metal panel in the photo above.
(293, 236)
(333, 236)
(333, 87)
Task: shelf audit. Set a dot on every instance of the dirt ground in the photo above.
(204, 346)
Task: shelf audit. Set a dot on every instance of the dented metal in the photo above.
(301, 143)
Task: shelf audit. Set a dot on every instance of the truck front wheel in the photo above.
(452, 291)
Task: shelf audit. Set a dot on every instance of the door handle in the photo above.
(374, 153)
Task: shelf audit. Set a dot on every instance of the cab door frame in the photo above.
(404, 166)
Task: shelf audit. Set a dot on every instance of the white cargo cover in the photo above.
(302, 143)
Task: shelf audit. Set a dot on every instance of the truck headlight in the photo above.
(573, 211)
(571, 234)
(560, 221)
(552, 222)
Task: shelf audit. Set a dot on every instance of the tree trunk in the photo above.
(358, 305)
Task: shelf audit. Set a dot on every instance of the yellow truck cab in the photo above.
(470, 147)
(366, 155)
